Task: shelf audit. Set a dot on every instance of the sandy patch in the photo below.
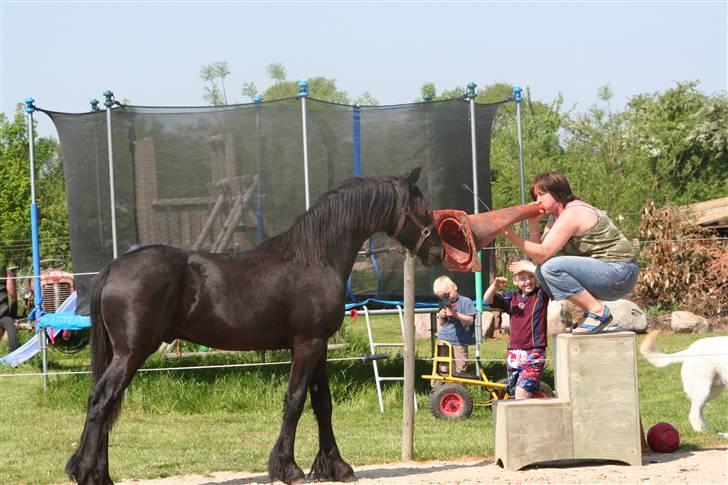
(688, 467)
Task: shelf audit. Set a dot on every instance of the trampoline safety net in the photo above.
(222, 179)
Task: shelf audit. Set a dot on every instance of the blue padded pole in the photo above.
(35, 240)
(30, 109)
(260, 232)
(517, 91)
(303, 94)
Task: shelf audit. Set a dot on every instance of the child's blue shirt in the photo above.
(453, 331)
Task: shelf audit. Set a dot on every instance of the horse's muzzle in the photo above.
(435, 254)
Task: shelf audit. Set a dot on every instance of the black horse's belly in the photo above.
(250, 304)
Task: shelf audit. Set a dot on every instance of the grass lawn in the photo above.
(178, 422)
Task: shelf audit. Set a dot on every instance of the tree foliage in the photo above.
(318, 87)
(250, 90)
(15, 194)
(277, 72)
(680, 138)
(213, 75)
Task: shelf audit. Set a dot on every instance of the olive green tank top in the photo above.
(603, 241)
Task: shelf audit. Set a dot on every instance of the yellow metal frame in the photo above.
(442, 371)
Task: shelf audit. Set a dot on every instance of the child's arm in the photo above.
(464, 319)
(498, 283)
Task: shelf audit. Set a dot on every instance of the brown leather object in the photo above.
(463, 234)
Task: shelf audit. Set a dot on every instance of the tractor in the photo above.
(450, 399)
(16, 300)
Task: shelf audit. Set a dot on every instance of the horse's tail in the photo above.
(101, 351)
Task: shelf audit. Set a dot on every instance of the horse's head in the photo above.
(414, 227)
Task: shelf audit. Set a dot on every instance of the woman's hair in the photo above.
(443, 284)
(554, 183)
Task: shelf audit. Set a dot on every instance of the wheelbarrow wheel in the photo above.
(450, 401)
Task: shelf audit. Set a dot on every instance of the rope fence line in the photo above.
(363, 359)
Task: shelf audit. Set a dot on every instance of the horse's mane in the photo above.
(360, 204)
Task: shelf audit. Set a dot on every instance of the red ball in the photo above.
(663, 438)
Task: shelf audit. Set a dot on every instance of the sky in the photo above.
(150, 53)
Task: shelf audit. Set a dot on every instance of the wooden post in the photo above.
(408, 392)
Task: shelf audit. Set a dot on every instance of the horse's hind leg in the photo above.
(90, 463)
(328, 464)
(281, 464)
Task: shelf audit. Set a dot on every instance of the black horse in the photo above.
(286, 293)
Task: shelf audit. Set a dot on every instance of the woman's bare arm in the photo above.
(565, 226)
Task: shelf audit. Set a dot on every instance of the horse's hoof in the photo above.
(344, 472)
(295, 477)
(290, 474)
(347, 478)
(330, 467)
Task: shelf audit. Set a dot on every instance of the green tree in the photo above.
(318, 87)
(222, 71)
(600, 169)
(541, 126)
(276, 72)
(213, 75)
(494, 93)
(366, 99)
(429, 90)
(681, 136)
(15, 194)
(250, 90)
(606, 94)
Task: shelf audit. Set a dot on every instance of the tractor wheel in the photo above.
(8, 327)
(4, 301)
(451, 401)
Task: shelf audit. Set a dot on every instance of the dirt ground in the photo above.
(684, 467)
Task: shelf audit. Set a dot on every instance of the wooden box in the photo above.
(595, 415)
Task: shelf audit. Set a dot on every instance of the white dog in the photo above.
(704, 371)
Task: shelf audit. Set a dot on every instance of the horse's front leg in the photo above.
(328, 464)
(281, 464)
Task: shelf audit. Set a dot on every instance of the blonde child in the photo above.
(457, 320)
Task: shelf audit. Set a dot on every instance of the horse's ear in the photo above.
(413, 175)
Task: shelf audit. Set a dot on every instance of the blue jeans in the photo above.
(564, 276)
